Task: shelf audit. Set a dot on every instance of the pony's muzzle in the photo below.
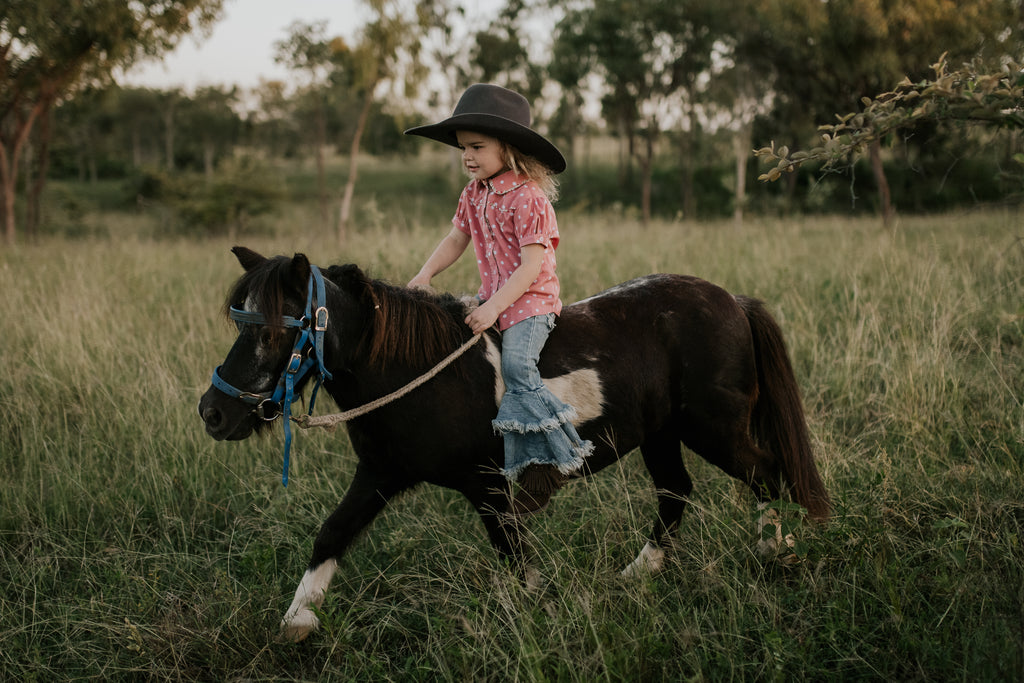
(224, 421)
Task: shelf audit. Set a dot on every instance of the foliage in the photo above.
(651, 60)
(859, 47)
(240, 191)
(48, 48)
(969, 94)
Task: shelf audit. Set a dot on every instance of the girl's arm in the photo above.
(446, 253)
(531, 261)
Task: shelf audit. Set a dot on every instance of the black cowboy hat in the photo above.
(498, 112)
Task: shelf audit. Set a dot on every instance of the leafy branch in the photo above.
(967, 94)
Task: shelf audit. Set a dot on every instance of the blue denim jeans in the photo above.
(535, 424)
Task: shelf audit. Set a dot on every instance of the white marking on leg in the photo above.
(300, 620)
(651, 560)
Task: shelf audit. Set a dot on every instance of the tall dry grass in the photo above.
(134, 547)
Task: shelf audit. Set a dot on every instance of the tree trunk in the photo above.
(742, 142)
(136, 147)
(10, 154)
(626, 151)
(878, 169)
(169, 136)
(209, 153)
(647, 168)
(686, 165)
(8, 206)
(42, 166)
(353, 166)
(322, 195)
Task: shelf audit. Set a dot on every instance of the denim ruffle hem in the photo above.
(537, 429)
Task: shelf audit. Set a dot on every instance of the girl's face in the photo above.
(481, 154)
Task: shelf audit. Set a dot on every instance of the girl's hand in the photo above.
(421, 281)
(483, 317)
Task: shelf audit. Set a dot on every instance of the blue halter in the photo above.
(307, 353)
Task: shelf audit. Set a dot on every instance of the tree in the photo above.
(971, 94)
(307, 50)
(825, 56)
(387, 53)
(270, 123)
(48, 48)
(500, 53)
(208, 118)
(652, 59)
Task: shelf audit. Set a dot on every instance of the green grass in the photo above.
(135, 547)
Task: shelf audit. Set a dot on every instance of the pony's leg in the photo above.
(716, 426)
(491, 501)
(365, 498)
(665, 463)
(728, 445)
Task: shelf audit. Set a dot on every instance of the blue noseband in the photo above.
(307, 353)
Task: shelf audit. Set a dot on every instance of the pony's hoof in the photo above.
(297, 627)
(651, 560)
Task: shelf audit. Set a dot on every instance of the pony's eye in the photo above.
(265, 337)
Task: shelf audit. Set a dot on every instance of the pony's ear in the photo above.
(300, 268)
(247, 257)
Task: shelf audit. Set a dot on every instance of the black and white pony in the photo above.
(650, 363)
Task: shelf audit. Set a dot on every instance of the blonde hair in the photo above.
(532, 169)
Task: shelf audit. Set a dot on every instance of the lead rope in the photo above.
(330, 422)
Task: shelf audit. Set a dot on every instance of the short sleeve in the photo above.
(535, 222)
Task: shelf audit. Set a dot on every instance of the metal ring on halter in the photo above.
(261, 411)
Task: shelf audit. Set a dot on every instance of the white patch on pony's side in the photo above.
(300, 620)
(582, 390)
(651, 560)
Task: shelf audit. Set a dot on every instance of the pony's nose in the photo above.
(211, 416)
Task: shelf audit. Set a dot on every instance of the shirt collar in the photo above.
(506, 182)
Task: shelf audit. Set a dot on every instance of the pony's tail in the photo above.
(778, 420)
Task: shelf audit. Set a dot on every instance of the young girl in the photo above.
(506, 212)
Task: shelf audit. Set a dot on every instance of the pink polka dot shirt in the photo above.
(502, 215)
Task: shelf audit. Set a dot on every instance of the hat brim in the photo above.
(526, 140)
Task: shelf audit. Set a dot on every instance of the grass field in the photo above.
(134, 547)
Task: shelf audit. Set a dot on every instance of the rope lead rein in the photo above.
(330, 422)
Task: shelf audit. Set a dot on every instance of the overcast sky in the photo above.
(240, 51)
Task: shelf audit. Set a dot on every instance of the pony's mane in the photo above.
(408, 327)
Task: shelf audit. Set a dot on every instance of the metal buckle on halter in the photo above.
(321, 314)
(261, 410)
(294, 364)
(251, 398)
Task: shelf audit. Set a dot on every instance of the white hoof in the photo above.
(298, 626)
(299, 621)
(651, 560)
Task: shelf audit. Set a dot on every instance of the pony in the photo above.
(651, 363)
